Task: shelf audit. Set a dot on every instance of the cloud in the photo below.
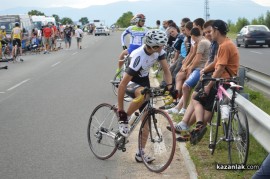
(262, 2)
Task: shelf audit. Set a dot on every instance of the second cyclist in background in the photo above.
(137, 33)
(16, 35)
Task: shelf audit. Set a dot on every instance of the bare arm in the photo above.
(122, 90)
(166, 70)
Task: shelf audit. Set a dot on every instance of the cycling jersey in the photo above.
(140, 64)
(2, 34)
(136, 39)
(16, 31)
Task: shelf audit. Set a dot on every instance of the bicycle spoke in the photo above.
(156, 141)
(102, 128)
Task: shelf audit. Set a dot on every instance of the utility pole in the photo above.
(206, 10)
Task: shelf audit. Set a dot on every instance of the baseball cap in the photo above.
(221, 26)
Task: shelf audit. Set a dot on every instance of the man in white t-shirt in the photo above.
(79, 36)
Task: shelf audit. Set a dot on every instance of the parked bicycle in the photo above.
(231, 120)
(104, 138)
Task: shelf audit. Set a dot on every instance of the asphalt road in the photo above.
(255, 58)
(45, 104)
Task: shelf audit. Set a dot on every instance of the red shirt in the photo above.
(47, 32)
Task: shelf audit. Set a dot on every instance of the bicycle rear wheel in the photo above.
(156, 141)
(238, 137)
(101, 131)
(116, 81)
(214, 125)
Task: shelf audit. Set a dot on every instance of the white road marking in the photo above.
(2, 92)
(17, 85)
(55, 64)
(75, 53)
(256, 52)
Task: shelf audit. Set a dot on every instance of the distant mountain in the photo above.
(156, 9)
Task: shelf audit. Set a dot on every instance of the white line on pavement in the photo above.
(75, 53)
(19, 84)
(2, 92)
(55, 64)
(256, 52)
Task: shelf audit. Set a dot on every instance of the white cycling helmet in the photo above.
(155, 38)
(3, 27)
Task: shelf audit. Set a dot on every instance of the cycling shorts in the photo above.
(17, 42)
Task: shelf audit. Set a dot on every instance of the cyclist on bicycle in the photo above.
(226, 66)
(16, 35)
(2, 37)
(137, 32)
(137, 77)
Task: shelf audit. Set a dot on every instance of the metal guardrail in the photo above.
(258, 81)
(259, 121)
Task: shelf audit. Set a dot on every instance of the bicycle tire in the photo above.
(103, 121)
(115, 85)
(6, 54)
(163, 150)
(214, 125)
(238, 135)
(117, 78)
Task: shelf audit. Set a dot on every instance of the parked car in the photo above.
(102, 30)
(253, 35)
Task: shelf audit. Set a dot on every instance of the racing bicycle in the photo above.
(105, 139)
(231, 120)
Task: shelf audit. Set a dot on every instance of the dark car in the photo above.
(253, 35)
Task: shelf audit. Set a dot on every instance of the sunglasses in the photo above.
(155, 47)
(142, 20)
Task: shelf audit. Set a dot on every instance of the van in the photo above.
(26, 25)
(39, 21)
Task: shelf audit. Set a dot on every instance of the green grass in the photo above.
(232, 36)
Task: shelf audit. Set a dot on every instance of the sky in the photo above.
(79, 3)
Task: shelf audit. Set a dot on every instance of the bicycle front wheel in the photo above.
(101, 131)
(156, 141)
(238, 137)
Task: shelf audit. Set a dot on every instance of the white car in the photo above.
(102, 30)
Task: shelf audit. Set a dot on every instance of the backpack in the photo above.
(67, 31)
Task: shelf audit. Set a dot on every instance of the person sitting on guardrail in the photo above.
(189, 116)
(226, 66)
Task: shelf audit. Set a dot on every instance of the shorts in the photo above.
(193, 78)
(47, 40)
(208, 101)
(130, 91)
(17, 42)
(79, 39)
(68, 40)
